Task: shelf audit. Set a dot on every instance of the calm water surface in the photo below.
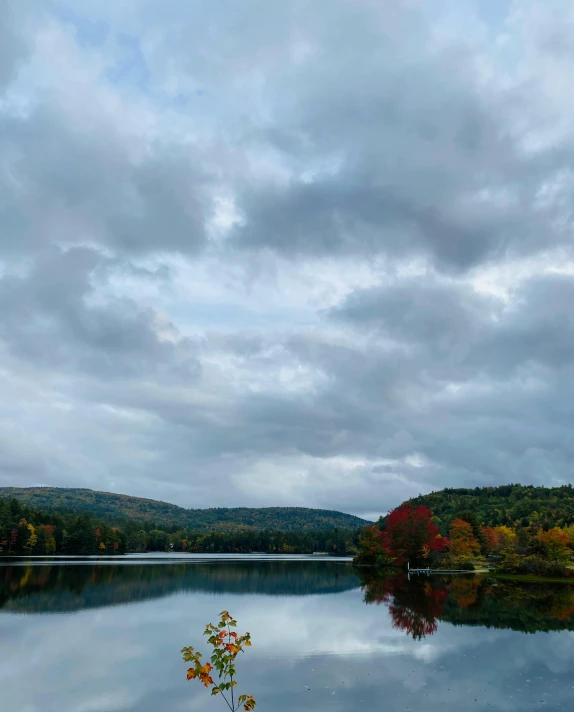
(94, 636)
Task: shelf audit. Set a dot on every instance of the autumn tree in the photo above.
(471, 517)
(556, 545)
(506, 538)
(227, 645)
(372, 550)
(463, 544)
(410, 534)
(30, 536)
(569, 531)
(490, 540)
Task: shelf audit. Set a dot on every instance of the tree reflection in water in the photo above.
(414, 606)
(417, 606)
(55, 587)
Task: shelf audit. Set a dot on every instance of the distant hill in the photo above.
(513, 505)
(116, 507)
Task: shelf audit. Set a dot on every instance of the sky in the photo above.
(295, 253)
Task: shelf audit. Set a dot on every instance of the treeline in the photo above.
(509, 505)
(27, 531)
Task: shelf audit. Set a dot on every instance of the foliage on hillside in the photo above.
(27, 531)
(509, 505)
(115, 507)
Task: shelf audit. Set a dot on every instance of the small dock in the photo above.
(430, 572)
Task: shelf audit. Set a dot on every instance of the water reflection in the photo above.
(438, 645)
(417, 606)
(60, 588)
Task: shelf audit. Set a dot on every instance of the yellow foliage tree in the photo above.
(506, 538)
(32, 536)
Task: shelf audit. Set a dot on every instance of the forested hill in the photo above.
(513, 505)
(116, 507)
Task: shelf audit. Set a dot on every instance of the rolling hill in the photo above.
(116, 507)
(513, 505)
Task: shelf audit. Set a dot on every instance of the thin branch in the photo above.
(231, 676)
(227, 703)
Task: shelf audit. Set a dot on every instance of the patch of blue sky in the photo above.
(89, 33)
(494, 13)
(131, 68)
(235, 317)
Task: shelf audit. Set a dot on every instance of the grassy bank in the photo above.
(530, 579)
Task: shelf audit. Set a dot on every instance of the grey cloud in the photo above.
(539, 328)
(64, 184)
(49, 317)
(419, 310)
(13, 46)
(399, 154)
(509, 410)
(473, 332)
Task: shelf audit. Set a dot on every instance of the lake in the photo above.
(91, 635)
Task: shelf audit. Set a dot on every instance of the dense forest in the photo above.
(113, 508)
(27, 531)
(509, 505)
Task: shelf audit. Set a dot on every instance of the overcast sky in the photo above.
(310, 253)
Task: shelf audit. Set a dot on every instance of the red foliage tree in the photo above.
(490, 539)
(411, 535)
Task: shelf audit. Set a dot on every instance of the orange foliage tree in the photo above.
(463, 544)
(490, 539)
(556, 545)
